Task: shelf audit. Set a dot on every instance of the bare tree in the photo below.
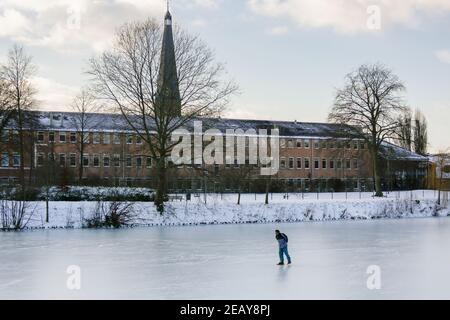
(370, 105)
(420, 133)
(17, 73)
(128, 77)
(6, 108)
(84, 105)
(404, 130)
(443, 166)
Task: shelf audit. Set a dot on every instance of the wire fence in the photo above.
(413, 195)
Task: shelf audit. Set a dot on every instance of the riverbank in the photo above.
(220, 210)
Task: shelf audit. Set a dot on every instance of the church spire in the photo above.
(168, 98)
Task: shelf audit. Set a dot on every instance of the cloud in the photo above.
(199, 23)
(53, 95)
(350, 16)
(71, 25)
(13, 22)
(278, 31)
(443, 56)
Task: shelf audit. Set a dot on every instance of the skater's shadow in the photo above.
(283, 273)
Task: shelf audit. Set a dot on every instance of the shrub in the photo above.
(15, 215)
(113, 214)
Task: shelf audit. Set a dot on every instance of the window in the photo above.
(85, 160)
(73, 160)
(116, 138)
(282, 143)
(96, 137)
(291, 163)
(128, 160)
(73, 137)
(96, 160)
(106, 160)
(299, 143)
(331, 162)
(62, 137)
(5, 160)
(106, 138)
(138, 139)
(299, 163)
(40, 159)
(307, 165)
(316, 164)
(355, 145)
(51, 156)
(355, 164)
(116, 160)
(86, 138)
(290, 143)
(40, 137)
(51, 137)
(282, 163)
(331, 144)
(16, 160)
(5, 136)
(62, 159)
(306, 144)
(323, 144)
(348, 145)
(139, 162)
(129, 139)
(324, 163)
(316, 144)
(339, 164)
(348, 164)
(149, 162)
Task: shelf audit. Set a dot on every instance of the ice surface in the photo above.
(231, 262)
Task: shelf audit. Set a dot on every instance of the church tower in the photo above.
(168, 91)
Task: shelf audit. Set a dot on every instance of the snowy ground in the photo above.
(222, 209)
(231, 262)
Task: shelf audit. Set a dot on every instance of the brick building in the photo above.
(313, 156)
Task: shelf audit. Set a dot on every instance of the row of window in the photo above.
(115, 138)
(95, 160)
(5, 160)
(88, 138)
(321, 144)
(305, 163)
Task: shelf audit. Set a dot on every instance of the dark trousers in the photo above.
(284, 252)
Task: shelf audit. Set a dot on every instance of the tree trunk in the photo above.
(21, 152)
(267, 191)
(81, 166)
(376, 173)
(440, 188)
(239, 197)
(161, 189)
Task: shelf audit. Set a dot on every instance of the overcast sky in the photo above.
(288, 56)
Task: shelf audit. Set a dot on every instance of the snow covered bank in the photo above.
(74, 214)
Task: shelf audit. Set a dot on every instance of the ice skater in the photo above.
(283, 245)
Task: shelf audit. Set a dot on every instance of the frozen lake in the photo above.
(231, 262)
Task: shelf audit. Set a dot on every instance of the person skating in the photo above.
(283, 247)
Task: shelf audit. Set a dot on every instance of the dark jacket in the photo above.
(282, 240)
